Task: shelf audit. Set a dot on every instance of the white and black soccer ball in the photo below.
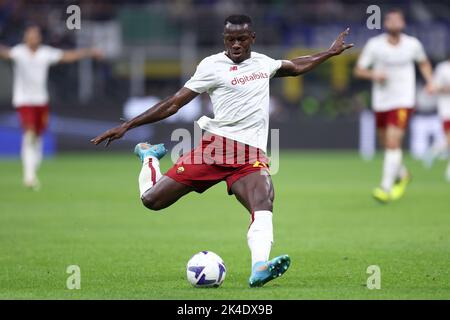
(206, 269)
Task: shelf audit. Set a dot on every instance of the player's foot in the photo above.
(144, 150)
(428, 158)
(399, 188)
(433, 154)
(263, 272)
(33, 185)
(381, 195)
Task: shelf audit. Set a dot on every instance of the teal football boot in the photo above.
(264, 272)
(144, 150)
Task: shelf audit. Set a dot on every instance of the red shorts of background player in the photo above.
(34, 118)
(396, 117)
(446, 125)
(217, 159)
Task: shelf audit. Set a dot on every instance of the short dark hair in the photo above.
(395, 10)
(32, 25)
(238, 19)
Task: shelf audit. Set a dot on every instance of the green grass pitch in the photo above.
(88, 214)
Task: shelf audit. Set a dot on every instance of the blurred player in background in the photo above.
(442, 89)
(237, 80)
(32, 60)
(388, 61)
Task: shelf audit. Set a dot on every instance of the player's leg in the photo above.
(42, 116)
(381, 132)
(400, 121)
(33, 121)
(164, 193)
(392, 157)
(29, 159)
(403, 171)
(379, 193)
(382, 137)
(438, 149)
(157, 191)
(256, 193)
(395, 176)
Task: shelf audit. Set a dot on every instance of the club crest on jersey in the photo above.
(233, 68)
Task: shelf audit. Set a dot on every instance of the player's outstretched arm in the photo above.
(79, 54)
(369, 74)
(427, 73)
(300, 65)
(159, 111)
(5, 52)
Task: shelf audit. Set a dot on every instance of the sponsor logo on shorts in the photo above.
(258, 164)
(402, 117)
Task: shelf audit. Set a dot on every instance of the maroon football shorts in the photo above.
(217, 159)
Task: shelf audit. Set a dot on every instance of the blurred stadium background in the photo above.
(152, 48)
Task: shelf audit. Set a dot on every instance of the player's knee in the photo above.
(151, 202)
(393, 144)
(264, 203)
(30, 135)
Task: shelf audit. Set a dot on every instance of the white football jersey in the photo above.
(239, 94)
(31, 73)
(397, 63)
(442, 78)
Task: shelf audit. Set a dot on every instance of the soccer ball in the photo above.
(206, 269)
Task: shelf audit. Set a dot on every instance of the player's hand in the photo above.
(339, 45)
(110, 135)
(379, 77)
(97, 54)
(430, 88)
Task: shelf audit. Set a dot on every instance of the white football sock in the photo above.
(260, 236)
(391, 166)
(150, 174)
(38, 151)
(403, 172)
(28, 154)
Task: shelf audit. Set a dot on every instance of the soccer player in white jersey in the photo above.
(388, 61)
(31, 61)
(442, 89)
(233, 146)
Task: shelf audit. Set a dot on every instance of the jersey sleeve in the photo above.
(274, 65)
(419, 52)
(14, 53)
(367, 57)
(54, 55)
(204, 77)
